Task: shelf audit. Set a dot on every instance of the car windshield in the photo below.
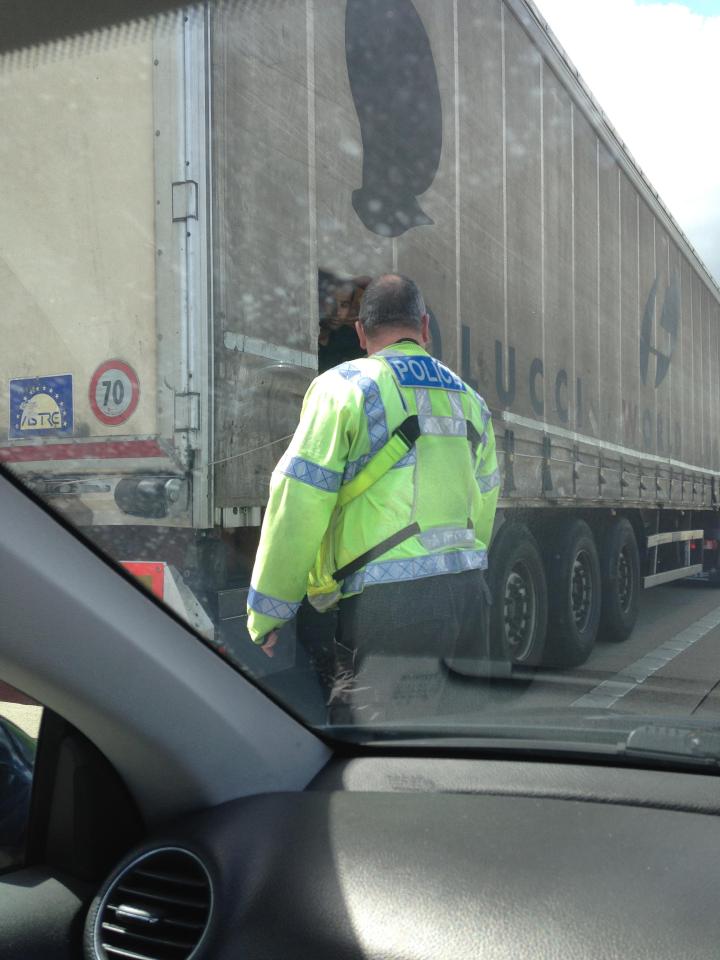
(380, 341)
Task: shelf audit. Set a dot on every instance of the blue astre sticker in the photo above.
(424, 372)
(41, 406)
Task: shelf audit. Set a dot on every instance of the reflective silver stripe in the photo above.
(423, 403)
(374, 412)
(415, 568)
(311, 473)
(271, 606)
(354, 467)
(489, 482)
(440, 537)
(408, 460)
(372, 402)
(456, 406)
(484, 409)
(454, 426)
(443, 426)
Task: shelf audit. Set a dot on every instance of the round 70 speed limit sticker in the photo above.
(114, 392)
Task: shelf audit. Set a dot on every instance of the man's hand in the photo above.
(270, 641)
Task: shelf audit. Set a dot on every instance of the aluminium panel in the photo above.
(658, 425)
(698, 425)
(558, 378)
(523, 136)
(687, 437)
(647, 321)
(712, 384)
(665, 337)
(430, 252)
(588, 372)
(647, 300)
(709, 388)
(629, 324)
(265, 277)
(482, 224)
(346, 247)
(609, 300)
(715, 380)
(78, 247)
(676, 372)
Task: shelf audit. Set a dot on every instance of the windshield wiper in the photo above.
(664, 742)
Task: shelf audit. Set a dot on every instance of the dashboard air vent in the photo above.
(157, 908)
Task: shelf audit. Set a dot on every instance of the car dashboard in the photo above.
(433, 858)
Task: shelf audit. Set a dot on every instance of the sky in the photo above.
(654, 68)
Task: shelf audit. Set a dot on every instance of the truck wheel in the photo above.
(572, 569)
(516, 578)
(620, 574)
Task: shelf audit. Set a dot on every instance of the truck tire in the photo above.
(516, 578)
(620, 575)
(572, 569)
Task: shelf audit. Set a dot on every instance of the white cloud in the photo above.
(655, 70)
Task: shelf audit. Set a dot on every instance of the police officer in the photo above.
(383, 505)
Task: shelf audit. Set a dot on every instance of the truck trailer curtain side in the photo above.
(265, 160)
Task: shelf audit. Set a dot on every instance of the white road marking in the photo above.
(607, 693)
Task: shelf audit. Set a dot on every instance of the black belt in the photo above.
(377, 551)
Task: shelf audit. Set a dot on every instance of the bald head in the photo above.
(391, 302)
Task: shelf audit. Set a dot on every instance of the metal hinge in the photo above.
(184, 200)
(228, 517)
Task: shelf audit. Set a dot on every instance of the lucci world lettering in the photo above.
(643, 428)
(506, 386)
(653, 431)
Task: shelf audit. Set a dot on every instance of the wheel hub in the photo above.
(519, 609)
(581, 590)
(624, 580)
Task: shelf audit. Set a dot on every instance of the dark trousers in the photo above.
(434, 617)
(411, 628)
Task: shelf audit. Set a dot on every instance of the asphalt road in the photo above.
(669, 666)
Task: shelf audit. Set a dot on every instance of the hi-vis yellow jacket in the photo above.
(432, 513)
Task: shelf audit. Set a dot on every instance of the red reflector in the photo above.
(693, 545)
(151, 575)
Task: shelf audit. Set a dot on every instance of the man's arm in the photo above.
(303, 495)
(488, 480)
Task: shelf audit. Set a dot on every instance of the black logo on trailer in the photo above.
(669, 321)
(395, 89)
